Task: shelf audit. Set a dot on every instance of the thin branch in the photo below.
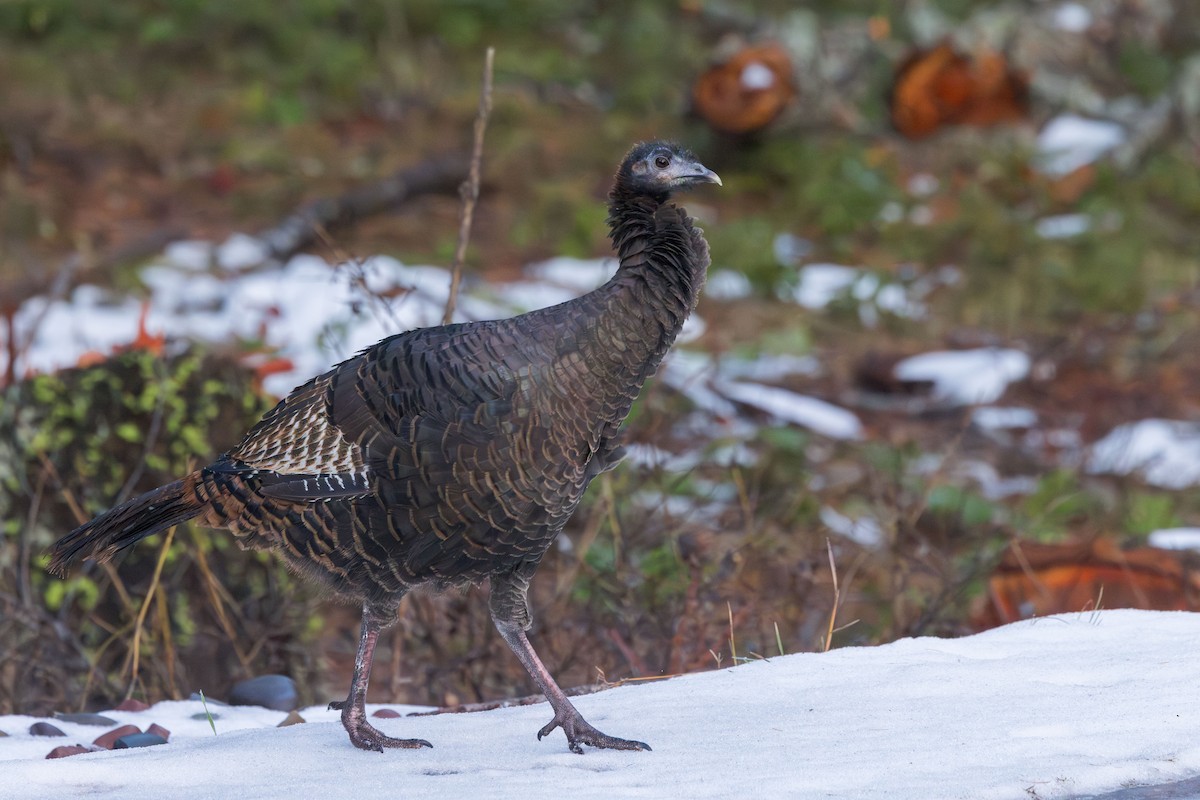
(469, 191)
(141, 617)
(837, 597)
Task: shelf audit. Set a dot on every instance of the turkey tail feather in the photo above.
(128, 523)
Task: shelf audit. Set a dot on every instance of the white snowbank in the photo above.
(966, 377)
(1057, 707)
(1175, 538)
(1063, 226)
(1163, 452)
(1068, 142)
(809, 412)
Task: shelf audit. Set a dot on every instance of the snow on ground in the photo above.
(314, 314)
(1059, 707)
(1069, 142)
(1175, 538)
(967, 377)
(1163, 452)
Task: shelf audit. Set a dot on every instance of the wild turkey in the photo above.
(448, 455)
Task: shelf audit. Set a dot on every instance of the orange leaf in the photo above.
(938, 87)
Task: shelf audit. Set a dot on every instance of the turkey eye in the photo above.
(662, 162)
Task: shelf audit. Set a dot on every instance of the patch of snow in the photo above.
(865, 530)
(313, 313)
(89, 320)
(580, 274)
(1073, 705)
(1163, 452)
(891, 212)
(921, 215)
(529, 295)
(1063, 226)
(756, 76)
(679, 506)
(189, 254)
(1175, 538)
(991, 484)
(967, 377)
(693, 328)
(689, 374)
(790, 249)
(727, 284)
(768, 367)
(922, 184)
(821, 284)
(1072, 17)
(1069, 141)
(1003, 418)
(809, 412)
(241, 252)
(654, 457)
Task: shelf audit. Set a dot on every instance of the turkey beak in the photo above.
(702, 174)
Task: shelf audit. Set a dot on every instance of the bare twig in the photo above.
(141, 617)
(355, 268)
(732, 647)
(469, 191)
(837, 596)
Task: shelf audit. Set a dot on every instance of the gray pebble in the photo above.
(87, 719)
(44, 729)
(269, 691)
(138, 740)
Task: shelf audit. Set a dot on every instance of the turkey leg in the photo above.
(354, 713)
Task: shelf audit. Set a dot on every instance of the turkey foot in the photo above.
(579, 732)
(366, 736)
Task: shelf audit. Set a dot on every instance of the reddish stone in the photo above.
(107, 740)
(155, 728)
(65, 750)
(132, 705)
(386, 713)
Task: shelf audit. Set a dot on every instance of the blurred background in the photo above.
(944, 376)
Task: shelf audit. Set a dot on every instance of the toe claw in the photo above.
(579, 732)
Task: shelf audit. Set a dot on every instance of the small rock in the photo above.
(3, 734)
(44, 729)
(386, 713)
(269, 691)
(138, 740)
(293, 718)
(203, 716)
(62, 751)
(132, 704)
(159, 730)
(108, 740)
(99, 720)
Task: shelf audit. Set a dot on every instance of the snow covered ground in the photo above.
(1075, 705)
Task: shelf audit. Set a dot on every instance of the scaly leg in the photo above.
(510, 613)
(354, 713)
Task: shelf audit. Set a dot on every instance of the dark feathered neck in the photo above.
(656, 244)
(662, 267)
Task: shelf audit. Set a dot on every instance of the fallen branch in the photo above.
(439, 175)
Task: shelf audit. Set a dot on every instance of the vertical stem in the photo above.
(141, 617)
(469, 191)
(837, 597)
